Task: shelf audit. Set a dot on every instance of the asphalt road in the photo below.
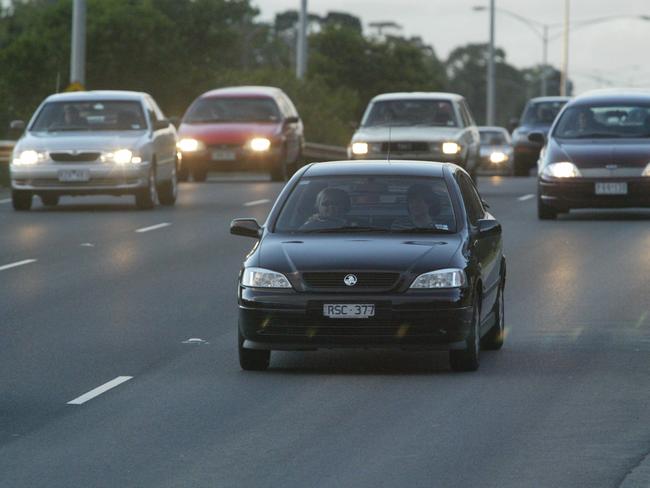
(565, 403)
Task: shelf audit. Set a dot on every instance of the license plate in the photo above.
(74, 175)
(611, 188)
(349, 310)
(222, 155)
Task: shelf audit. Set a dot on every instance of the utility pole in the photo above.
(564, 82)
(490, 71)
(545, 61)
(78, 45)
(301, 51)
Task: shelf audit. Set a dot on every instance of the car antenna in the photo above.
(389, 144)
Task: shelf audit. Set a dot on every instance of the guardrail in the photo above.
(5, 155)
(324, 152)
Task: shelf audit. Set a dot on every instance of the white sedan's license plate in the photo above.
(222, 155)
(611, 188)
(349, 310)
(68, 175)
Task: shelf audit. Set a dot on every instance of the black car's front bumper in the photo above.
(564, 195)
(287, 320)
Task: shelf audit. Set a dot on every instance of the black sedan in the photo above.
(597, 154)
(400, 255)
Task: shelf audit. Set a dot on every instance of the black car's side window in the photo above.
(473, 204)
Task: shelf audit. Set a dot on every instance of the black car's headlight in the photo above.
(442, 278)
(264, 278)
(562, 170)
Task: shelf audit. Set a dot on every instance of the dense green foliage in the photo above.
(177, 49)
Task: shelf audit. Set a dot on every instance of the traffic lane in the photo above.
(80, 315)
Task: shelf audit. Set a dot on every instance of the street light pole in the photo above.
(78, 44)
(545, 61)
(490, 72)
(565, 52)
(301, 51)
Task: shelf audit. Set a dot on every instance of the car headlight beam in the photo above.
(646, 171)
(497, 157)
(359, 148)
(187, 144)
(450, 148)
(29, 157)
(260, 144)
(442, 278)
(264, 278)
(562, 169)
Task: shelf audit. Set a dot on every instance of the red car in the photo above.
(237, 128)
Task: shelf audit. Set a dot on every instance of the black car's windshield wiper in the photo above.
(346, 228)
(68, 128)
(422, 230)
(599, 135)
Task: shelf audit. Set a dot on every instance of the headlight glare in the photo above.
(498, 157)
(442, 278)
(359, 148)
(562, 169)
(29, 157)
(450, 148)
(122, 156)
(190, 145)
(264, 278)
(646, 171)
(260, 144)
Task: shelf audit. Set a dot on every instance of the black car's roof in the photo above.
(625, 97)
(377, 167)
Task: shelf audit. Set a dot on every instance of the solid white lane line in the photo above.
(526, 197)
(99, 390)
(153, 227)
(5, 200)
(16, 264)
(257, 202)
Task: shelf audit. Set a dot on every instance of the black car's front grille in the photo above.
(65, 157)
(400, 147)
(366, 280)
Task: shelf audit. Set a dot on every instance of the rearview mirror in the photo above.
(17, 125)
(161, 124)
(537, 137)
(246, 228)
(291, 120)
(176, 121)
(489, 227)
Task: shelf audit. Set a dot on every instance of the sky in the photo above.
(612, 53)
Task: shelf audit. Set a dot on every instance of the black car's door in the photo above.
(485, 248)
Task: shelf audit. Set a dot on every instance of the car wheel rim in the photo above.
(501, 311)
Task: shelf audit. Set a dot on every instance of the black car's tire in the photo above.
(468, 359)
(251, 359)
(21, 199)
(50, 200)
(168, 190)
(493, 340)
(145, 198)
(199, 174)
(545, 212)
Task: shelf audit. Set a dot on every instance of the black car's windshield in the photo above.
(232, 109)
(604, 122)
(90, 115)
(541, 113)
(381, 204)
(493, 138)
(410, 112)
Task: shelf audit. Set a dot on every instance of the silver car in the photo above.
(95, 142)
(427, 126)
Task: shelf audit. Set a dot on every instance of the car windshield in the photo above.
(604, 121)
(410, 112)
(213, 109)
(493, 138)
(90, 115)
(383, 204)
(541, 113)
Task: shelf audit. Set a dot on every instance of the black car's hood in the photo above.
(590, 153)
(399, 253)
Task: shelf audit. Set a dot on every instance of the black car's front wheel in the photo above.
(493, 340)
(545, 212)
(468, 359)
(252, 359)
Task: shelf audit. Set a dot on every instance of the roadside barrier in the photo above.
(5, 155)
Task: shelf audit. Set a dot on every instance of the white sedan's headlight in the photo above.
(187, 144)
(450, 148)
(498, 157)
(121, 157)
(359, 148)
(29, 157)
(264, 278)
(646, 171)
(442, 278)
(563, 169)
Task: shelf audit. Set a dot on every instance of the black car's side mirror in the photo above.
(161, 124)
(488, 227)
(246, 228)
(291, 120)
(17, 125)
(176, 121)
(537, 137)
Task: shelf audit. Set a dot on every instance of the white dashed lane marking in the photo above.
(257, 202)
(16, 264)
(99, 390)
(153, 227)
(526, 197)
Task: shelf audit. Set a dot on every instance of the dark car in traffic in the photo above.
(402, 255)
(538, 116)
(597, 154)
(241, 128)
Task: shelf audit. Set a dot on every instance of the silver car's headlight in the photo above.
(264, 278)
(359, 148)
(646, 171)
(121, 157)
(450, 147)
(562, 169)
(442, 278)
(29, 157)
